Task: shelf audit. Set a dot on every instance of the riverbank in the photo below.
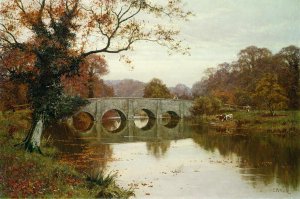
(32, 175)
(281, 122)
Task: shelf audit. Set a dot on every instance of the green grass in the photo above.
(107, 185)
(282, 122)
(31, 175)
(288, 121)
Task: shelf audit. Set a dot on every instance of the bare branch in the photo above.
(42, 4)
(119, 21)
(15, 43)
(50, 12)
(74, 8)
(20, 5)
(132, 15)
(128, 9)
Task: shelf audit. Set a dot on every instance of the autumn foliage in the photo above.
(82, 121)
(257, 78)
(56, 39)
(156, 89)
(14, 92)
(88, 82)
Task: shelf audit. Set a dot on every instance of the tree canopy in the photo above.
(240, 82)
(156, 89)
(205, 105)
(88, 83)
(270, 94)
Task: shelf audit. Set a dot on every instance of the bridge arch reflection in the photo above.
(149, 125)
(83, 121)
(149, 113)
(173, 115)
(113, 113)
(130, 131)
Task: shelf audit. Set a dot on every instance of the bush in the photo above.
(205, 105)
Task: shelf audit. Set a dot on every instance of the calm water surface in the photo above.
(163, 159)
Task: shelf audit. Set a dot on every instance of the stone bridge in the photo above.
(128, 107)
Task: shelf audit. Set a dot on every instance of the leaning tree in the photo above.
(57, 35)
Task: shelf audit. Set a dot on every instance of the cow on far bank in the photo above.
(225, 117)
(247, 108)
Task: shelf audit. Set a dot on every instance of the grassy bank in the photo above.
(23, 174)
(282, 122)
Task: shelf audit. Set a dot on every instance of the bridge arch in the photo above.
(144, 124)
(121, 131)
(149, 113)
(172, 123)
(126, 107)
(83, 121)
(173, 114)
(170, 119)
(150, 124)
(109, 122)
(120, 113)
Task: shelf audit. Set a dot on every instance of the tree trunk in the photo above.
(272, 112)
(32, 141)
(90, 90)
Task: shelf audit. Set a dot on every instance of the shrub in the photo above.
(205, 105)
(108, 186)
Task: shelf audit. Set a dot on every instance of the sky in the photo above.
(217, 32)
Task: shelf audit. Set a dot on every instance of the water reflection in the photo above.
(261, 158)
(144, 123)
(79, 151)
(112, 121)
(158, 148)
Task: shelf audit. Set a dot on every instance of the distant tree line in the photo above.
(257, 78)
(127, 87)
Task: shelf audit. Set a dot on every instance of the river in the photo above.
(171, 159)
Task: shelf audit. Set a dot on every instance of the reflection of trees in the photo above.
(172, 123)
(96, 156)
(272, 156)
(169, 121)
(158, 148)
(79, 152)
(111, 125)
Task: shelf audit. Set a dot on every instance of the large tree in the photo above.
(156, 89)
(88, 84)
(290, 57)
(105, 90)
(57, 36)
(251, 65)
(12, 93)
(269, 94)
(237, 82)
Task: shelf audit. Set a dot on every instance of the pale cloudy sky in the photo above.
(220, 29)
